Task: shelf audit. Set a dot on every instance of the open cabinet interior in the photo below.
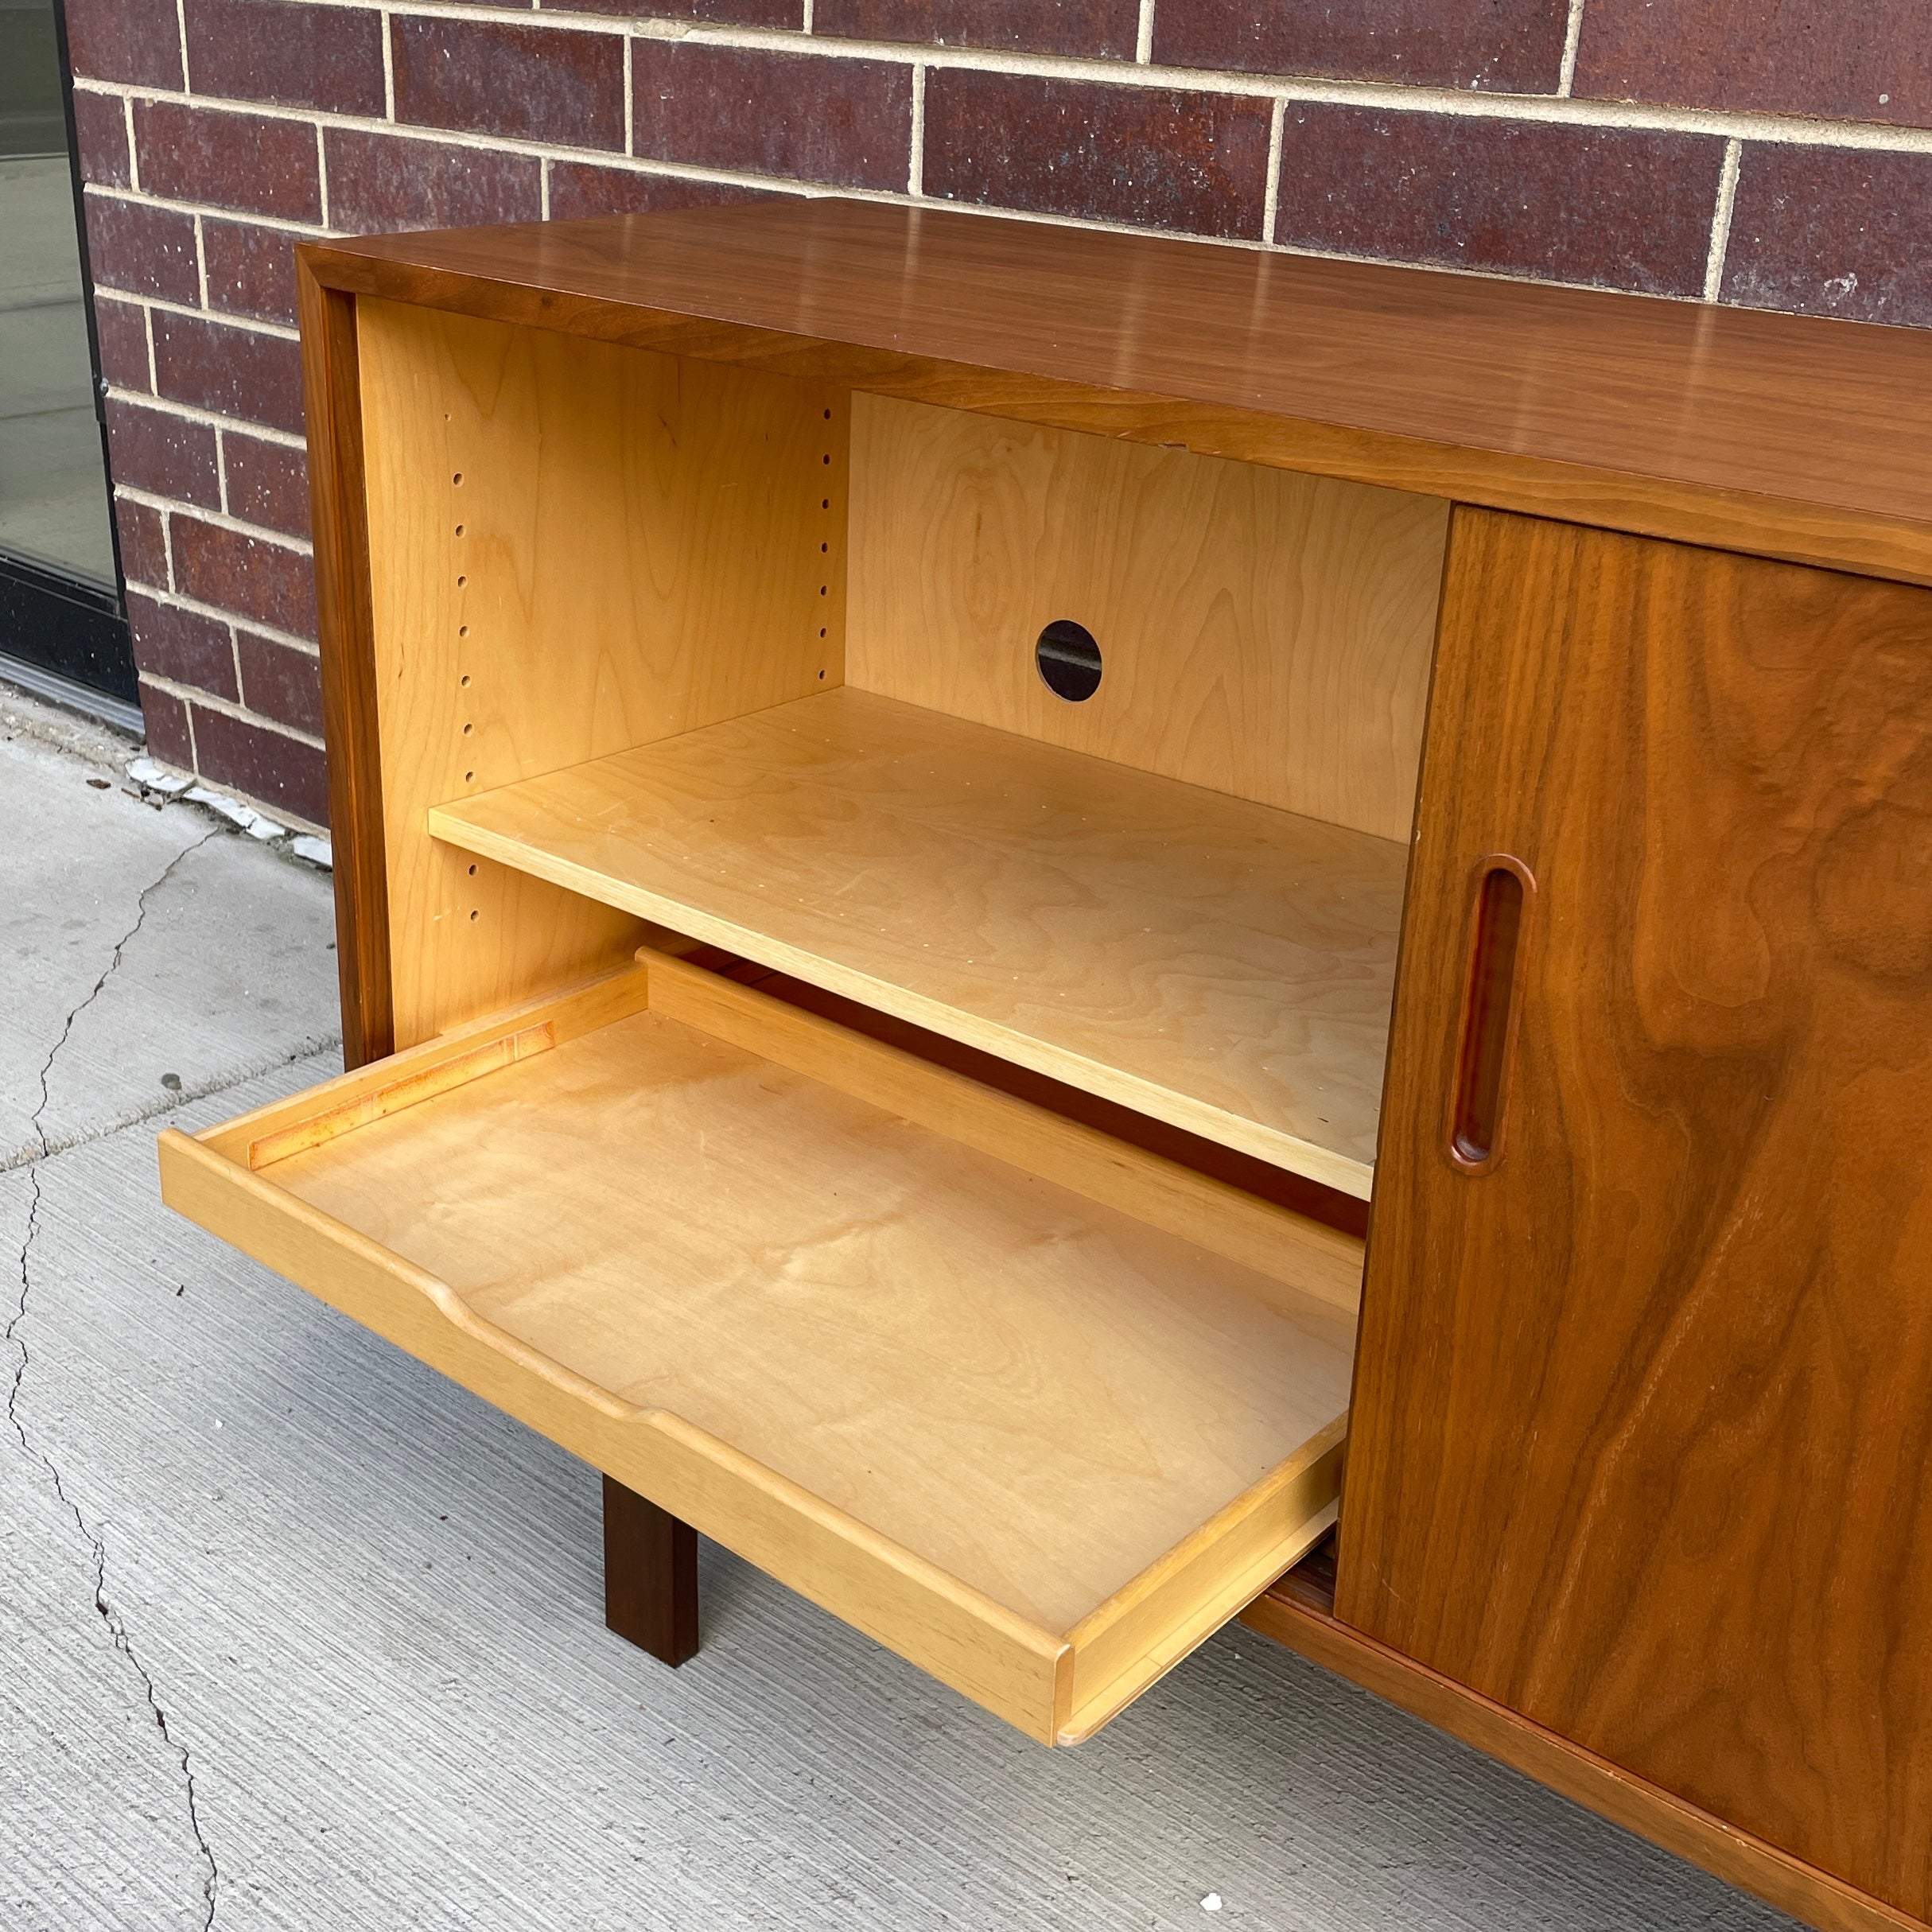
(762, 663)
(1002, 747)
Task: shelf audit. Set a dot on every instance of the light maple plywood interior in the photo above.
(1221, 965)
(1037, 1394)
(574, 548)
(1263, 633)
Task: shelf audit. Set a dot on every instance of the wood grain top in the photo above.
(1793, 436)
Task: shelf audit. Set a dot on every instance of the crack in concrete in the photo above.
(117, 1629)
(42, 1146)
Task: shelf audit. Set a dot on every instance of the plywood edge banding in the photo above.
(1141, 1633)
(441, 1077)
(552, 1020)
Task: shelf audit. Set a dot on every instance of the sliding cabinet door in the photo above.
(1643, 1415)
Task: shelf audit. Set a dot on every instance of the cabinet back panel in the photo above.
(575, 548)
(1262, 633)
(1641, 1424)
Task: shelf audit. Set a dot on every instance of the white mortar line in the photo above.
(175, 600)
(1143, 35)
(200, 262)
(180, 27)
(302, 231)
(134, 153)
(389, 71)
(221, 467)
(1383, 97)
(1272, 206)
(298, 546)
(321, 177)
(1720, 221)
(209, 702)
(1572, 39)
(916, 166)
(147, 322)
(510, 16)
(191, 412)
(280, 330)
(543, 189)
(630, 112)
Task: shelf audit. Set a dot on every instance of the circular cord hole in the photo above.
(1069, 660)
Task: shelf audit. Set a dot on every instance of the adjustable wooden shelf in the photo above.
(880, 760)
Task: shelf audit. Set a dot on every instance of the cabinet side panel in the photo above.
(332, 397)
(1643, 1411)
(575, 548)
(1261, 632)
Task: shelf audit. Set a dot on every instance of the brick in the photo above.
(281, 682)
(289, 54)
(122, 330)
(137, 42)
(250, 269)
(1158, 158)
(142, 249)
(377, 182)
(1832, 231)
(1613, 207)
(551, 84)
(580, 188)
(232, 372)
(724, 13)
(239, 161)
(268, 483)
(1508, 46)
(182, 645)
(144, 543)
(100, 135)
(1868, 62)
(165, 717)
(248, 575)
(155, 450)
(1091, 27)
(245, 757)
(849, 123)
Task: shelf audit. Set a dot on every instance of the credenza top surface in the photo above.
(1413, 368)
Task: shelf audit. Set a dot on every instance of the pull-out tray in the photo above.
(1036, 1409)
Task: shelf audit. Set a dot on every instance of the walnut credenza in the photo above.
(930, 813)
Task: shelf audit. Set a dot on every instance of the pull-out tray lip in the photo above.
(1058, 1687)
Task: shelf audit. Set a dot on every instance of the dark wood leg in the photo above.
(650, 1576)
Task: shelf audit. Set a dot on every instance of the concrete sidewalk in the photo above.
(294, 1634)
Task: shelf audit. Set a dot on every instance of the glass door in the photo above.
(61, 621)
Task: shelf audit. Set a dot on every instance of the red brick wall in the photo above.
(1776, 153)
